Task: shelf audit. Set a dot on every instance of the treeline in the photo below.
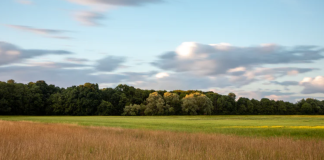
(42, 99)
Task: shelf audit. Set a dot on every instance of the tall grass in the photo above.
(27, 140)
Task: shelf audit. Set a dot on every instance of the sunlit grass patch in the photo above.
(306, 127)
(243, 125)
(293, 127)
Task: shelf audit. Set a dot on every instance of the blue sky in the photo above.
(269, 48)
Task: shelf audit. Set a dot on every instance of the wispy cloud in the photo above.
(89, 18)
(76, 60)
(52, 33)
(110, 63)
(10, 53)
(97, 8)
(285, 83)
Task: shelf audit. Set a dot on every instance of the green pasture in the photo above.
(267, 126)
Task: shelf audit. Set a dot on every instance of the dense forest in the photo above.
(42, 99)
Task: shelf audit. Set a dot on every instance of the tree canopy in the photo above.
(39, 98)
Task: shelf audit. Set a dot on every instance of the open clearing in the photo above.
(255, 126)
(27, 140)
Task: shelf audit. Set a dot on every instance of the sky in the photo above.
(256, 49)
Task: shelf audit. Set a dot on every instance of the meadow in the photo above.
(30, 141)
(252, 126)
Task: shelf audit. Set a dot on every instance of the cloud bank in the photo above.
(221, 68)
(215, 59)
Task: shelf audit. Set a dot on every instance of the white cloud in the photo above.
(306, 80)
(186, 49)
(238, 69)
(312, 85)
(222, 46)
(162, 75)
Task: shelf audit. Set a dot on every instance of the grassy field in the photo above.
(32, 141)
(255, 126)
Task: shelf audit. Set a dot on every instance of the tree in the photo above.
(214, 97)
(104, 109)
(4, 107)
(250, 107)
(281, 107)
(299, 105)
(242, 109)
(11, 81)
(242, 104)
(35, 101)
(119, 101)
(315, 105)
(306, 108)
(172, 102)
(57, 106)
(133, 110)
(39, 98)
(196, 103)
(221, 105)
(155, 105)
(232, 95)
(290, 108)
(257, 108)
(267, 106)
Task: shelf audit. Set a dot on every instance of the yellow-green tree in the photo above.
(172, 102)
(197, 103)
(155, 105)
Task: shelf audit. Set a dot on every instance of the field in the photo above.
(30, 141)
(161, 137)
(264, 126)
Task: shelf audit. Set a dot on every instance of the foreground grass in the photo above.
(26, 140)
(265, 126)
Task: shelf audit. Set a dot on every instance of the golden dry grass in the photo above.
(26, 140)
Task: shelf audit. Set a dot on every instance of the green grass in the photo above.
(206, 124)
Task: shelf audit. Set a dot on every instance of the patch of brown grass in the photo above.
(24, 140)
